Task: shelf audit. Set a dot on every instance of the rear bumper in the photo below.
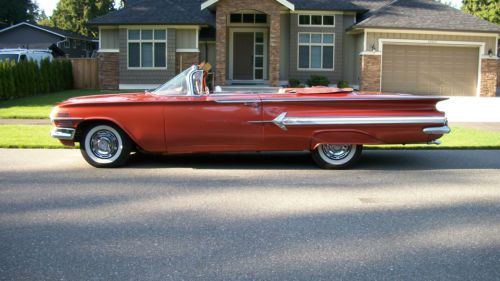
(63, 133)
(437, 130)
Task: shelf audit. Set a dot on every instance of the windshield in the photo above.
(182, 84)
(11, 57)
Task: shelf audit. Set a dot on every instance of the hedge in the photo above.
(28, 78)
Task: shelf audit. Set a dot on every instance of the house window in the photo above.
(316, 51)
(248, 18)
(147, 48)
(73, 44)
(67, 44)
(316, 20)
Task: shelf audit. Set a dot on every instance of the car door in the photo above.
(213, 123)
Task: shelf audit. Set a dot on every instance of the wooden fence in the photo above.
(85, 74)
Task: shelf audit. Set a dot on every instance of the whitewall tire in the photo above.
(105, 146)
(337, 156)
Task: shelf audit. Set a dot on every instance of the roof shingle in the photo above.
(425, 14)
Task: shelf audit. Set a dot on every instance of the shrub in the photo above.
(342, 84)
(294, 83)
(317, 80)
(28, 78)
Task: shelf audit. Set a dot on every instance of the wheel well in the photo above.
(88, 123)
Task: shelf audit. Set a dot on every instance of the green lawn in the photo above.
(39, 107)
(38, 136)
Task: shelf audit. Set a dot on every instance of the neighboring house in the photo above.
(415, 46)
(32, 36)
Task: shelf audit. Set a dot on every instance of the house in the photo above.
(33, 36)
(414, 46)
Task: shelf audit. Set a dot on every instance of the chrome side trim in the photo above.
(63, 133)
(396, 98)
(282, 121)
(437, 130)
(66, 119)
(237, 101)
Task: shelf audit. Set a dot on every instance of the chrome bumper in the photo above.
(63, 133)
(437, 130)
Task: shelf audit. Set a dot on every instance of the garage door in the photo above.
(430, 70)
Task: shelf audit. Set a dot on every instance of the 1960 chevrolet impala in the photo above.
(182, 116)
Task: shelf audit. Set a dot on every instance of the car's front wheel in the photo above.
(337, 156)
(105, 146)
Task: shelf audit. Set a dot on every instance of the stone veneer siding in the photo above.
(108, 65)
(489, 68)
(185, 60)
(370, 73)
(224, 9)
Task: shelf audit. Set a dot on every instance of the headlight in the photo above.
(53, 113)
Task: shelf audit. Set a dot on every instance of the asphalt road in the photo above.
(401, 215)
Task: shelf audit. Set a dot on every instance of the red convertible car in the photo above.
(183, 116)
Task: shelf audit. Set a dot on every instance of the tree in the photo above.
(74, 14)
(15, 11)
(486, 9)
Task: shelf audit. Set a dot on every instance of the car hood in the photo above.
(108, 99)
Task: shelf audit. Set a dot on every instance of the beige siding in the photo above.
(186, 39)
(373, 38)
(109, 38)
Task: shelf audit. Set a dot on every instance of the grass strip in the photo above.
(39, 107)
(38, 136)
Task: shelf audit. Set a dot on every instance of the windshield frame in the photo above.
(190, 79)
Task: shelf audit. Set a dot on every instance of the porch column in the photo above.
(274, 49)
(220, 47)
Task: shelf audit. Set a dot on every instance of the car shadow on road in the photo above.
(370, 160)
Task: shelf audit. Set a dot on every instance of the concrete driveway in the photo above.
(401, 215)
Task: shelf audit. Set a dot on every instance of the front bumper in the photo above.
(63, 133)
(437, 130)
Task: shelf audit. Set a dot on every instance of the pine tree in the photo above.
(74, 14)
(486, 9)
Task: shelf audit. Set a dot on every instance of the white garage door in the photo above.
(430, 70)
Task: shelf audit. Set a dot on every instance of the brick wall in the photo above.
(489, 69)
(185, 60)
(224, 9)
(498, 74)
(370, 73)
(108, 68)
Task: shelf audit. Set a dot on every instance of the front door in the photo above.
(248, 57)
(243, 56)
(213, 123)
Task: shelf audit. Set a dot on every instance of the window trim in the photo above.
(254, 24)
(152, 41)
(322, 20)
(310, 44)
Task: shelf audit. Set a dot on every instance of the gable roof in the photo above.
(285, 3)
(327, 5)
(424, 14)
(52, 30)
(177, 12)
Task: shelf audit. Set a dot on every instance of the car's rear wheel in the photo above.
(105, 146)
(337, 156)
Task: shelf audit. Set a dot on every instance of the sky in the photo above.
(49, 5)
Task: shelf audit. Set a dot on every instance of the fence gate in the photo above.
(85, 75)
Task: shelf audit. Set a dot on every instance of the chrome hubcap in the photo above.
(104, 144)
(336, 151)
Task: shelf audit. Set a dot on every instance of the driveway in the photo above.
(401, 215)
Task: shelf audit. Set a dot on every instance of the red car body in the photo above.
(291, 120)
